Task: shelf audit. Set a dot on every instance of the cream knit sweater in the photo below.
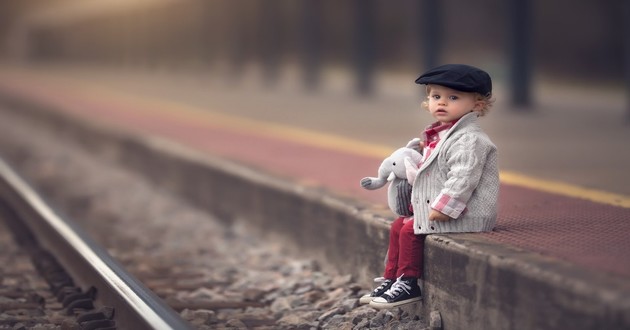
(464, 167)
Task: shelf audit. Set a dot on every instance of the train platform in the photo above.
(565, 193)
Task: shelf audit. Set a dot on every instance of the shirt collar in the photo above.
(431, 133)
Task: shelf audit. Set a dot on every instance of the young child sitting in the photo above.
(455, 186)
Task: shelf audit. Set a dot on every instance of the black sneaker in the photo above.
(404, 291)
(385, 285)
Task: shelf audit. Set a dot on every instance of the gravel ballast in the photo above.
(216, 274)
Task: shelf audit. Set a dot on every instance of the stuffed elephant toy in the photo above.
(393, 170)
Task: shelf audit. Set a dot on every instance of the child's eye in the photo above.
(435, 97)
(453, 97)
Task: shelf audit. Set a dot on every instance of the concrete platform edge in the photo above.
(472, 281)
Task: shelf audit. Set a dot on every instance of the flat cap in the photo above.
(460, 77)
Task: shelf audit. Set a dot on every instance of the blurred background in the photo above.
(581, 41)
(561, 68)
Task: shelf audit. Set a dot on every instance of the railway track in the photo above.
(88, 283)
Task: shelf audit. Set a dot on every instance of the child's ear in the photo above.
(478, 105)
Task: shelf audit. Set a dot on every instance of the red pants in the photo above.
(406, 251)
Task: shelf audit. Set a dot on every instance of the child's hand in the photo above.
(416, 144)
(438, 216)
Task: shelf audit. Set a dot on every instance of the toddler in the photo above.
(455, 186)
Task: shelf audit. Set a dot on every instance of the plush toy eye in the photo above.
(394, 163)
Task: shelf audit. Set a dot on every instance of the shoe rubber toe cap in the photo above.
(366, 299)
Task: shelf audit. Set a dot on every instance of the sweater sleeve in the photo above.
(465, 161)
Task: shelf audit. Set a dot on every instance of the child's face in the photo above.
(447, 104)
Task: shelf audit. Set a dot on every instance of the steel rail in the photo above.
(136, 307)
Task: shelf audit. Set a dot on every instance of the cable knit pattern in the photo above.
(462, 170)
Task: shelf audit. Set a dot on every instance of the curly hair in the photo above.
(487, 102)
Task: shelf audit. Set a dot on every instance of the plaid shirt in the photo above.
(443, 203)
(431, 136)
(448, 205)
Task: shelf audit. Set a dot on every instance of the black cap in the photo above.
(460, 77)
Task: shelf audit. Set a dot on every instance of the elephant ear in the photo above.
(411, 169)
(415, 144)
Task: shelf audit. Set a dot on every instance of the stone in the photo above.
(281, 304)
(199, 317)
(205, 294)
(339, 281)
(362, 324)
(360, 314)
(314, 295)
(253, 294)
(381, 318)
(294, 322)
(330, 313)
(235, 323)
(349, 304)
(338, 322)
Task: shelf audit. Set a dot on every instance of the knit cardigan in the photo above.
(463, 166)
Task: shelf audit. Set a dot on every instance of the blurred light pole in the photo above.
(626, 55)
(520, 52)
(270, 36)
(237, 41)
(311, 42)
(364, 45)
(430, 23)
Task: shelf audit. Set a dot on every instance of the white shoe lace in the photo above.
(398, 287)
(379, 280)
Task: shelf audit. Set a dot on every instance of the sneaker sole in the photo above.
(365, 300)
(378, 305)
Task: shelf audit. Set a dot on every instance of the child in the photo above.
(455, 187)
